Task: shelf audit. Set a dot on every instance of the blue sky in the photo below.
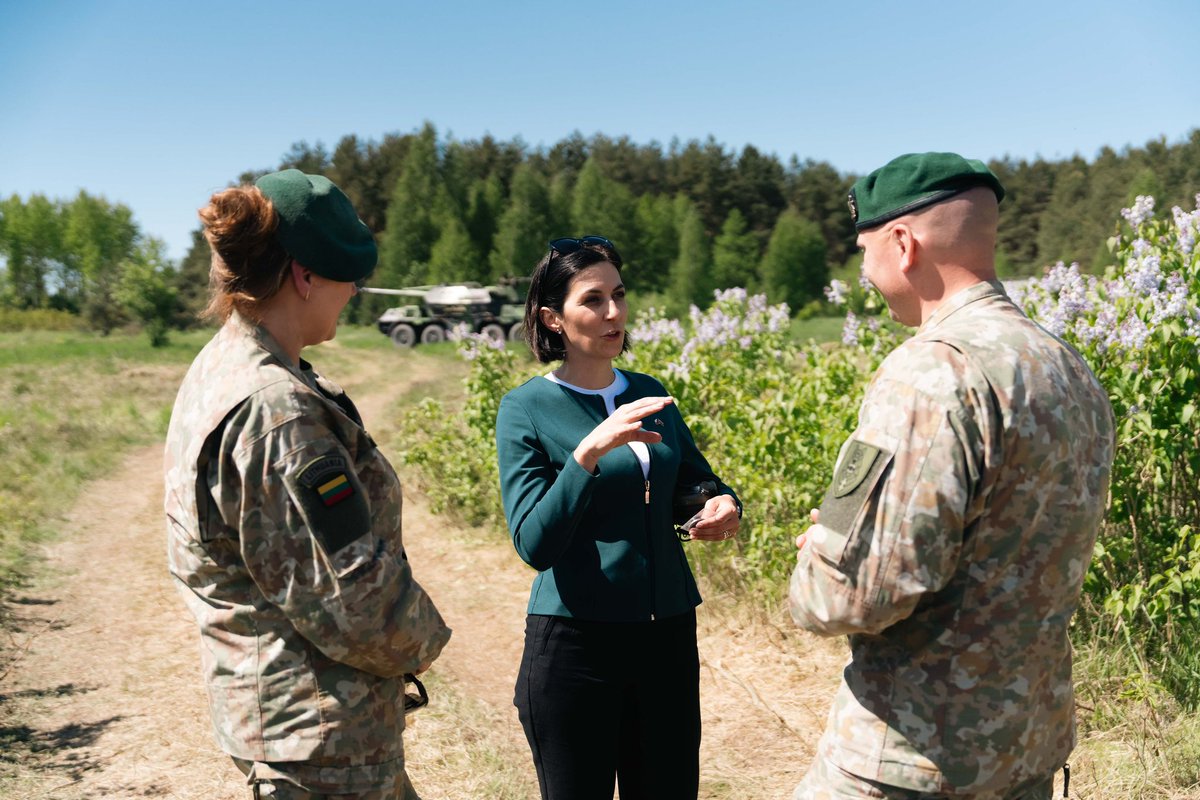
(158, 104)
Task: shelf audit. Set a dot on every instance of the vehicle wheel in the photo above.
(517, 332)
(493, 331)
(403, 335)
(433, 333)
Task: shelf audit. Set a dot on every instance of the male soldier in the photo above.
(952, 544)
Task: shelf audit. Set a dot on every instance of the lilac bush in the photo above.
(768, 413)
(1138, 325)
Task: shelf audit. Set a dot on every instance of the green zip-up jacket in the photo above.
(603, 544)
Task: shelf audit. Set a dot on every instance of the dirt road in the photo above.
(106, 700)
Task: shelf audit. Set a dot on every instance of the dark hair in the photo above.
(548, 289)
(248, 263)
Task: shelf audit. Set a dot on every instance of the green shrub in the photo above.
(38, 319)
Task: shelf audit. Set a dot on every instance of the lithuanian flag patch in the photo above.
(336, 490)
(331, 500)
(329, 477)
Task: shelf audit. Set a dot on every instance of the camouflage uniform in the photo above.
(952, 548)
(283, 532)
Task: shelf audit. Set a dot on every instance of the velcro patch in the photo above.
(855, 466)
(857, 475)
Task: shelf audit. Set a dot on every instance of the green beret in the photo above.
(318, 227)
(913, 181)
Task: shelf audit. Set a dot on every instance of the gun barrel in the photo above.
(400, 292)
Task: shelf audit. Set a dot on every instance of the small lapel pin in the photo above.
(658, 422)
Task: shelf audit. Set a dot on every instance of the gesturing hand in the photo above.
(622, 427)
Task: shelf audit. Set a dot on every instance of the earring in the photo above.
(306, 294)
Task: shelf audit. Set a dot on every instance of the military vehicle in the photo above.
(432, 311)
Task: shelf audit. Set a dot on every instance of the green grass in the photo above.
(71, 405)
(362, 337)
(818, 329)
(34, 348)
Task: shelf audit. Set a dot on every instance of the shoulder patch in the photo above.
(329, 497)
(858, 474)
(855, 467)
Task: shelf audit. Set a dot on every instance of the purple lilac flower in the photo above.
(1141, 212)
(835, 292)
(1101, 329)
(863, 281)
(1133, 333)
(470, 344)
(736, 294)
(1073, 293)
(1172, 302)
(1144, 274)
(656, 330)
(1193, 326)
(778, 318)
(1186, 227)
(850, 329)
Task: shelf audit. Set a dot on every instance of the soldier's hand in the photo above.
(815, 516)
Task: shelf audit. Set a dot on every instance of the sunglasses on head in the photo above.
(567, 246)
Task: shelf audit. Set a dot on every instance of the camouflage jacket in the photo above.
(952, 548)
(283, 534)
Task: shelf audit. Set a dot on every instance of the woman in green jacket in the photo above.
(591, 458)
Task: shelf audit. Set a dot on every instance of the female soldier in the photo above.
(283, 518)
(590, 459)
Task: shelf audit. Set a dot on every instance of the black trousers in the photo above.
(600, 700)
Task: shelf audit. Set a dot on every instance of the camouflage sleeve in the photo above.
(891, 523)
(320, 535)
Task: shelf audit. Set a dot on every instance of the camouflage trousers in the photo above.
(302, 780)
(825, 781)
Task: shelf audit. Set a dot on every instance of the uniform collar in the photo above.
(265, 341)
(962, 299)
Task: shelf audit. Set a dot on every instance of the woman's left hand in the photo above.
(720, 520)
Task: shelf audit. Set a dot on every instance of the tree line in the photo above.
(688, 218)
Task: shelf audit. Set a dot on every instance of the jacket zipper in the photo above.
(649, 546)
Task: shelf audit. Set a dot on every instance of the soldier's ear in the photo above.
(302, 278)
(902, 238)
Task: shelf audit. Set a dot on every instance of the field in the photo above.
(99, 684)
